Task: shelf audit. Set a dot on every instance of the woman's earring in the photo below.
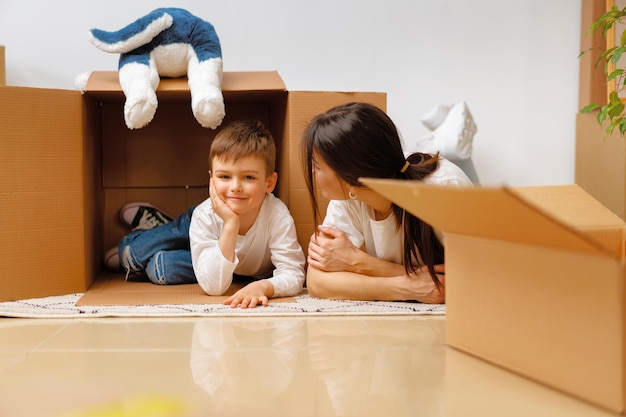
(351, 194)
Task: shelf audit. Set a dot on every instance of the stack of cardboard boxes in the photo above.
(69, 164)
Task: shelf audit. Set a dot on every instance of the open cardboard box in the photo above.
(601, 163)
(534, 281)
(68, 164)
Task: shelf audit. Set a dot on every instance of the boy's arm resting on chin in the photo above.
(213, 271)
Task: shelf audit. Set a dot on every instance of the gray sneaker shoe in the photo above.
(112, 260)
(142, 216)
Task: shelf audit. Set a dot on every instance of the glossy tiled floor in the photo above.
(320, 366)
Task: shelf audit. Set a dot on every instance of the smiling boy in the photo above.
(242, 228)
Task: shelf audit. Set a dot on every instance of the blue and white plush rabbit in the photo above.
(167, 42)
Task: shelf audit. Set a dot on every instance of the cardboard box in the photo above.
(3, 69)
(534, 281)
(68, 164)
(601, 163)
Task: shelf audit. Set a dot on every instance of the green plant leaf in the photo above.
(589, 108)
(585, 51)
(605, 56)
(612, 114)
(602, 115)
(617, 54)
(622, 39)
(615, 74)
(615, 110)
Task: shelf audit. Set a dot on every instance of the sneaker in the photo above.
(455, 134)
(453, 129)
(142, 216)
(112, 260)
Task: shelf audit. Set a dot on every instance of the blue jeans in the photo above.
(161, 253)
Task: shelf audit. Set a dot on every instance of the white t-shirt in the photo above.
(270, 249)
(380, 238)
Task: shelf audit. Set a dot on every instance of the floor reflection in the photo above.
(319, 366)
(247, 365)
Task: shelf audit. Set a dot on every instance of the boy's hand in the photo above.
(253, 294)
(219, 206)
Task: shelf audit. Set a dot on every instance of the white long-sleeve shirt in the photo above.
(380, 238)
(270, 249)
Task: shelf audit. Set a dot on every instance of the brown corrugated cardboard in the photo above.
(70, 164)
(43, 229)
(302, 106)
(534, 281)
(601, 163)
(3, 70)
(113, 289)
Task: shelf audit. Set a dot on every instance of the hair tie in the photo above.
(404, 168)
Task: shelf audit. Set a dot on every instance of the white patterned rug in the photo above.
(64, 306)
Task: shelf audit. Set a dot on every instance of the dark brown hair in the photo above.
(244, 138)
(360, 140)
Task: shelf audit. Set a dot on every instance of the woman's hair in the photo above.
(244, 138)
(360, 140)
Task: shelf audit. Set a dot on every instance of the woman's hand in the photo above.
(423, 288)
(253, 294)
(331, 250)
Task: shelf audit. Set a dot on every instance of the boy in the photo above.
(241, 229)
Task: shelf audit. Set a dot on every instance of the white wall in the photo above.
(513, 61)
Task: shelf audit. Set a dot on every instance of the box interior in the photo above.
(166, 162)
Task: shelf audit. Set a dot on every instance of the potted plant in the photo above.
(611, 115)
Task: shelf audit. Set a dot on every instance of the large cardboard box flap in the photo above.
(534, 281)
(508, 214)
(105, 85)
(42, 194)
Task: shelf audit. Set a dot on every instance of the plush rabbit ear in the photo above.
(453, 131)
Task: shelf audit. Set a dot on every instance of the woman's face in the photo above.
(331, 186)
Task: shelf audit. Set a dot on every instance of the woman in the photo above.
(368, 248)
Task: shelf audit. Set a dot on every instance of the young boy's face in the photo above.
(242, 183)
